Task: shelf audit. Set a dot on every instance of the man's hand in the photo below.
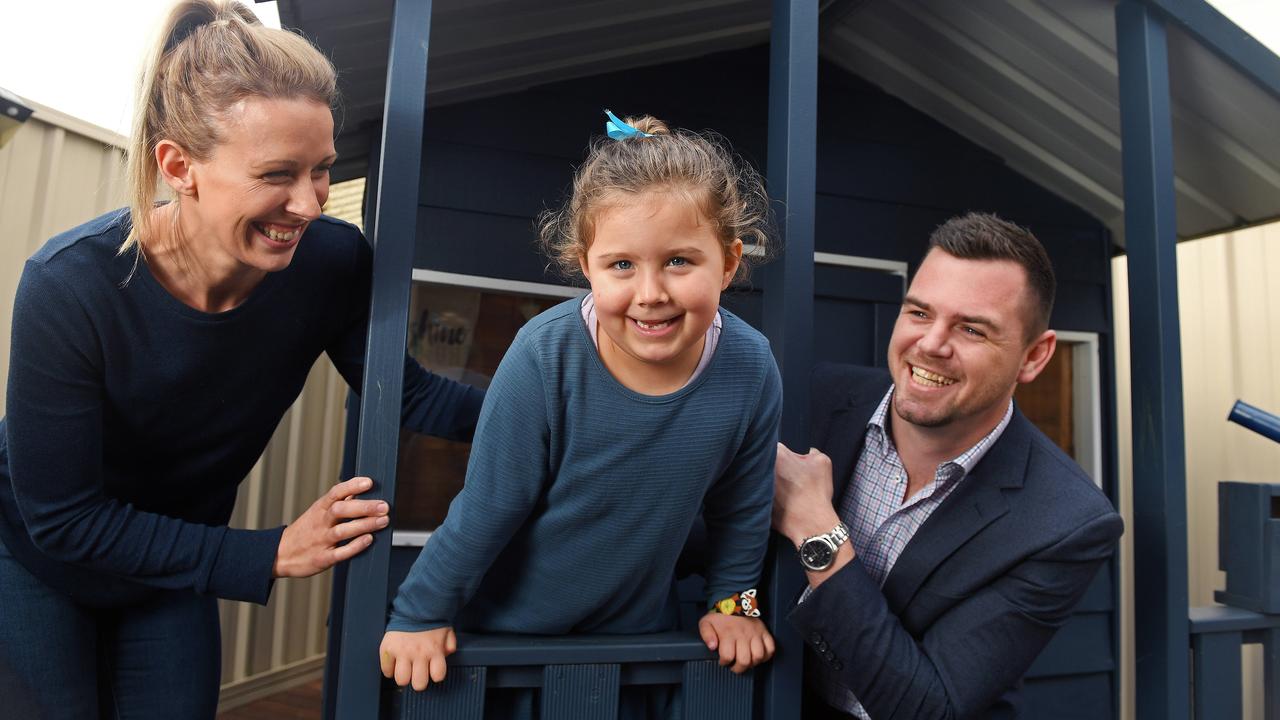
(802, 491)
(313, 542)
(743, 642)
(417, 658)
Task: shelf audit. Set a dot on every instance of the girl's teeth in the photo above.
(652, 326)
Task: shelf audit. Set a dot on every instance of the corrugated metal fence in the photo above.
(55, 173)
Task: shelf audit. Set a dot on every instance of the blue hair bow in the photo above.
(619, 130)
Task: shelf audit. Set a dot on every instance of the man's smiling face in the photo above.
(960, 343)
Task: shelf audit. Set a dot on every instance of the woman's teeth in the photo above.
(276, 235)
(924, 377)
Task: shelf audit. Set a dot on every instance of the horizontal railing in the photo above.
(580, 677)
(1217, 634)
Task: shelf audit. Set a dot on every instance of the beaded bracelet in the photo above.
(745, 603)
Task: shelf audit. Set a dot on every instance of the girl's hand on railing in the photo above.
(417, 658)
(743, 642)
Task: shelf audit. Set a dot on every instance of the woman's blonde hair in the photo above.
(211, 54)
(727, 190)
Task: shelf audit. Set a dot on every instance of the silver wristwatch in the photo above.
(818, 552)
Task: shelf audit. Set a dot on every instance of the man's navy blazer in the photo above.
(981, 587)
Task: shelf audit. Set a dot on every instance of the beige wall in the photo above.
(55, 173)
(1229, 301)
(58, 172)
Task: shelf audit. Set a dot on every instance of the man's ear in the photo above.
(732, 259)
(175, 167)
(1037, 355)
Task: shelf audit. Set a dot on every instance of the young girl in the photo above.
(613, 421)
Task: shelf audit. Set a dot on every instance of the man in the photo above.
(945, 539)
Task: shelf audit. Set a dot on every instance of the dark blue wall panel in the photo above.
(478, 243)
(1070, 697)
(887, 175)
(1083, 645)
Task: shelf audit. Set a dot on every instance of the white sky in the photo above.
(83, 56)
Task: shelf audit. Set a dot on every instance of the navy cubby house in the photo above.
(1249, 545)
(873, 122)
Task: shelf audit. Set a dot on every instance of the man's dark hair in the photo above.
(983, 236)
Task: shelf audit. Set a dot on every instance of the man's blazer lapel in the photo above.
(847, 433)
(976, 503)
(848, 436)
(842, 398)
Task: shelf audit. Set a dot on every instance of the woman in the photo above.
(154, 351)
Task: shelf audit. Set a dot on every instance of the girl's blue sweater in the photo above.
(580, 493)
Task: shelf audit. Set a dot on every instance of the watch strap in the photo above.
(838, 536)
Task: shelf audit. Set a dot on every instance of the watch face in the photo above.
(816, 553)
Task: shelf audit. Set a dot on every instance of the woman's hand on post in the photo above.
(314, 541)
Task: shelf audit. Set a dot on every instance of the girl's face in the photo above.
(250, 202)
(656, 270)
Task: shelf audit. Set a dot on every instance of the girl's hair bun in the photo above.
(648, 124)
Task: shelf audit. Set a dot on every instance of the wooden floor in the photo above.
(299, 703)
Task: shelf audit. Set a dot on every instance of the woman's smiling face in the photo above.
(252, 199)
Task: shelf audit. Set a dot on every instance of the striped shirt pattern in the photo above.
(881, 523)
